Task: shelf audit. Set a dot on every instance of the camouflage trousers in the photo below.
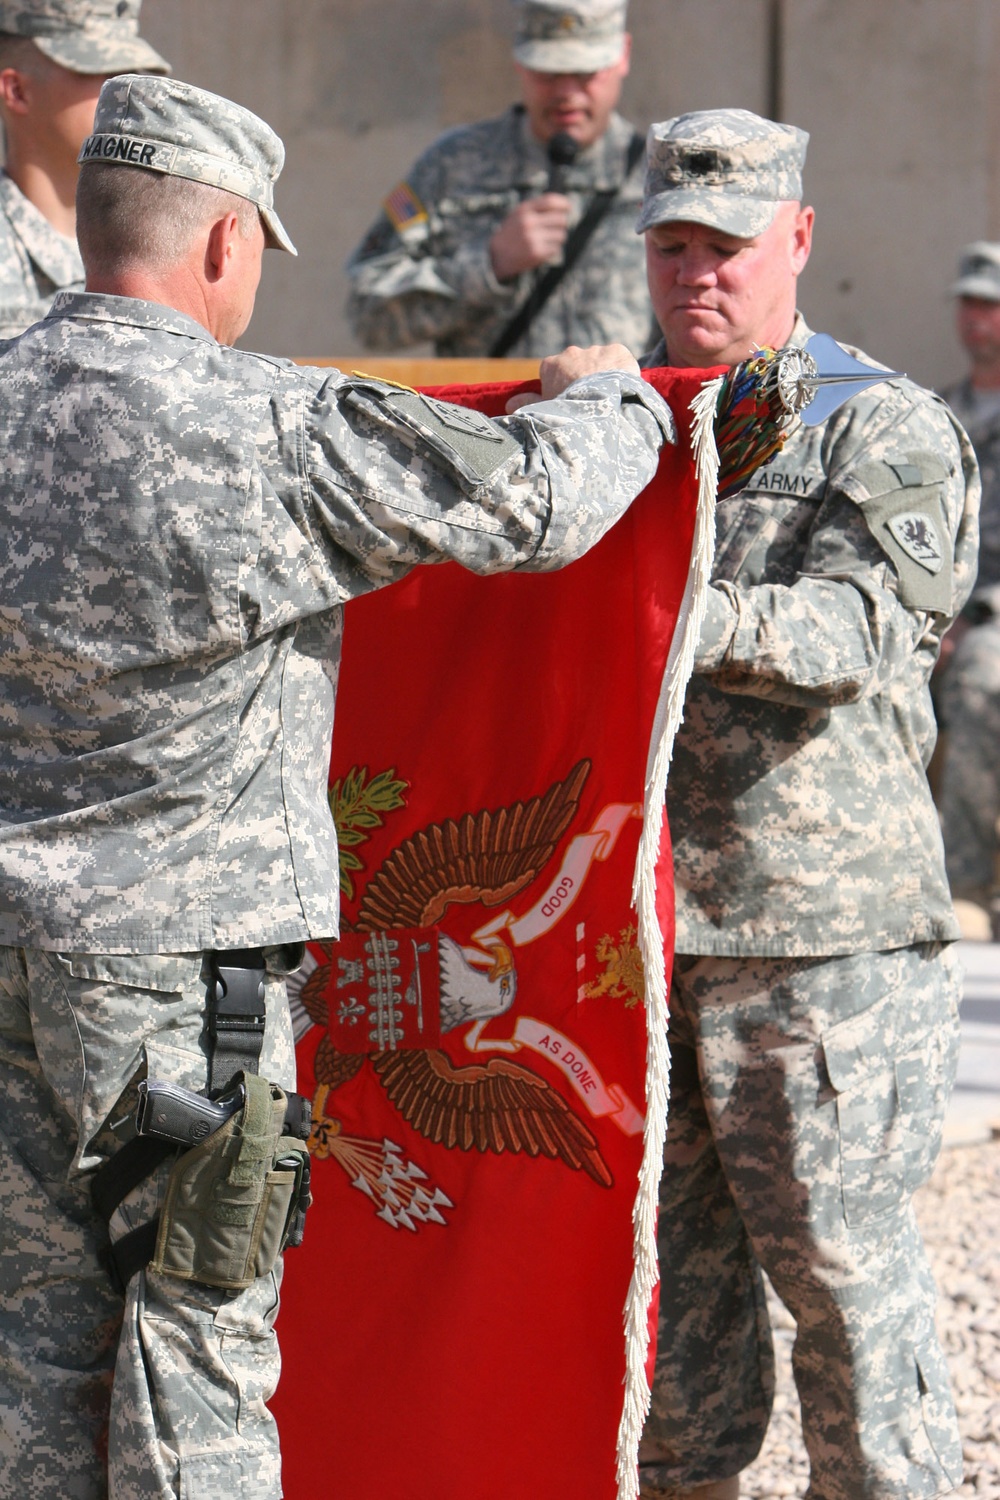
(807, 1101)
(970, 776)
(161, 1395)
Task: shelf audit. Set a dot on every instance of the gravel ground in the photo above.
(959, 1213)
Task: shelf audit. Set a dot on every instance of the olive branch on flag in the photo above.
(358, 804)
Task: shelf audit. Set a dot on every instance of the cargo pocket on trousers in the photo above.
(892, 1081)
(90, 1016)
(227, 1473)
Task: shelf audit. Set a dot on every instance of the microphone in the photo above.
(562, 152)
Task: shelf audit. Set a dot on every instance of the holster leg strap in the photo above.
(235, 1016)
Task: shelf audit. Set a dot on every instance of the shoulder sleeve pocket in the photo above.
(462, 439)
(903, 507)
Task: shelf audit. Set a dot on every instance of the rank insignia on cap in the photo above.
(917, 535)
(404, 209)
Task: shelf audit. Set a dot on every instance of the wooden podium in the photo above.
(424, 372)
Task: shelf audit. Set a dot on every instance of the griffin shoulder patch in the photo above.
(905, 514)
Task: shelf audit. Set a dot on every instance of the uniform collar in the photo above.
(801, 332)
(55, 254)
(101, 307)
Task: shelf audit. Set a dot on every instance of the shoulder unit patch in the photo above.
(468, 438)
(468, 441)
(917, 534)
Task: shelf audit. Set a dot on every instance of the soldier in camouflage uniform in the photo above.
(969, 691)
(461, 244)
(970, 775)
(182, 524)
(813, 1023)
(54, 56)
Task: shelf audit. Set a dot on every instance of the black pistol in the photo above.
(173, 1113)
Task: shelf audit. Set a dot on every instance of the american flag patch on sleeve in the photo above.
(403, 208)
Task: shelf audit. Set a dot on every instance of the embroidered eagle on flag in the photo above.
(498, 1106)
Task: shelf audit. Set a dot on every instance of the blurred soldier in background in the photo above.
(976, 399)
(969, 692)
(54, 56)
(814, 1011)
(515, 235)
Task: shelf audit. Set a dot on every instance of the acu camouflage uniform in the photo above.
(86, 36)
(970, 775)
(423, 270)
(983, 427)
(969, 696)
(180, 535)
(813, 1017)
(36, 261)
(432, 278)
(172, 614)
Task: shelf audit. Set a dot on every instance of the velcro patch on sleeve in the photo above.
(911, 528)
(480, 444)
(902, 502)
(467, 441)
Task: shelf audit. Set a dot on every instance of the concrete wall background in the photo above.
(899, 95)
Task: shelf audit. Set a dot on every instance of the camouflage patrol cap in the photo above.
(569, 36)
(726, 168)
(85, 36)
(168, 126)
(978, 272)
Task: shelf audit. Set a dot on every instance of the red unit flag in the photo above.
(476, 1042)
